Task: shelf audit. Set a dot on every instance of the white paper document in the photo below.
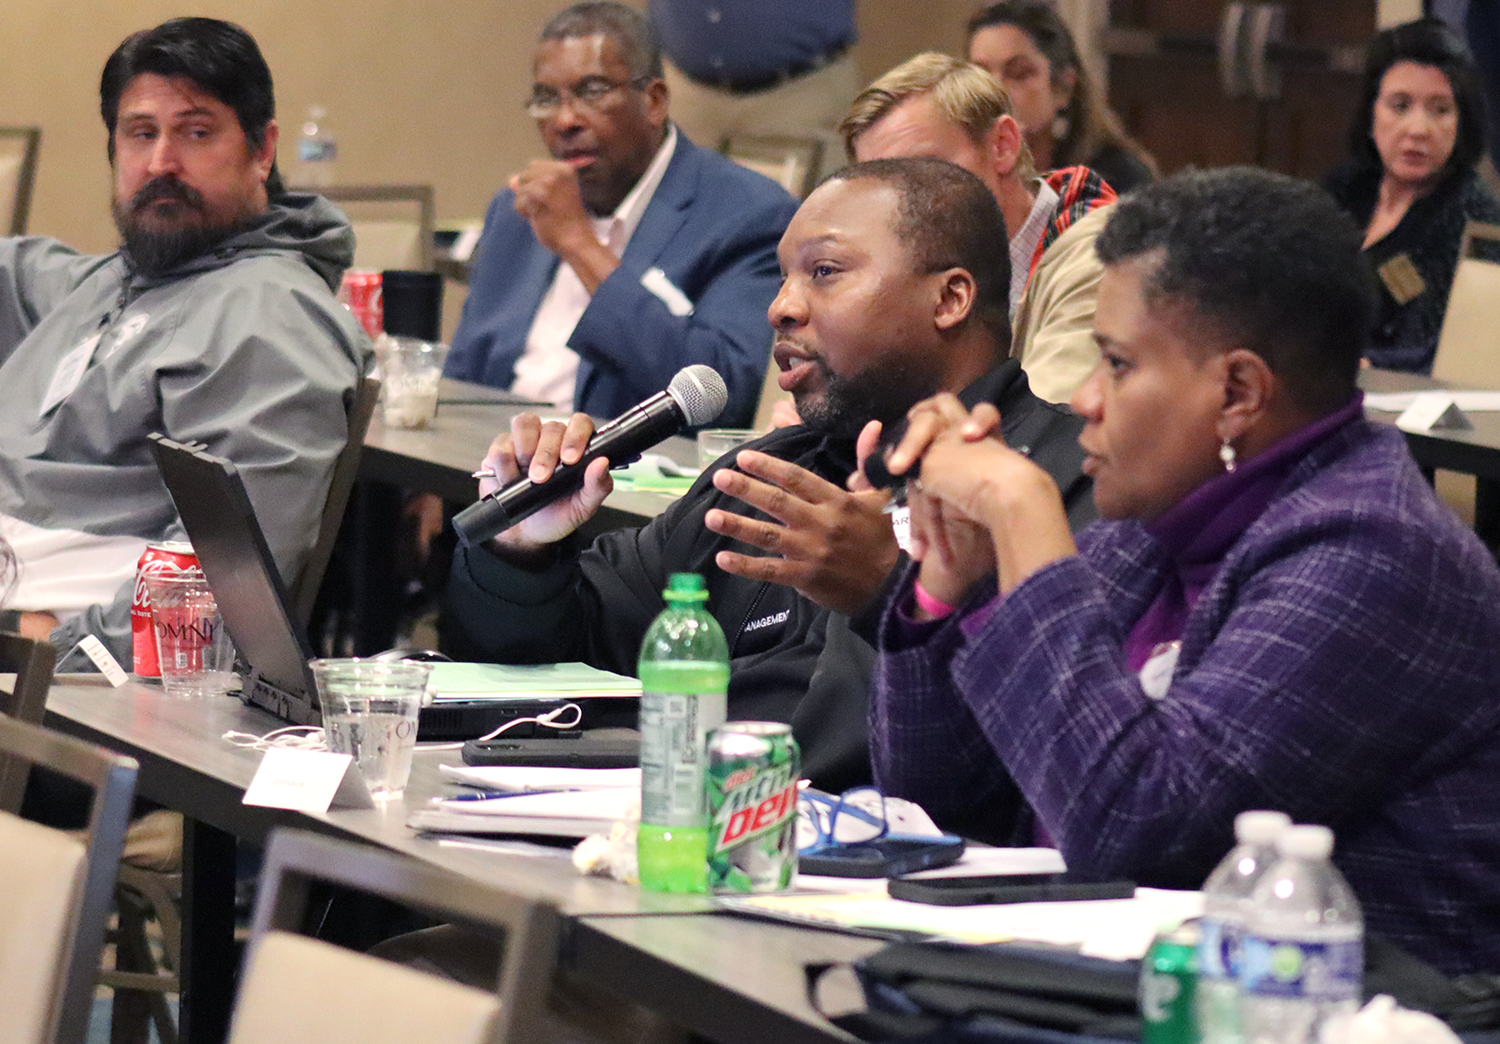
(567, 813)
(1116, 929)
(522, 778)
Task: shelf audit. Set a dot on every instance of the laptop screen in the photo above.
(232, 551)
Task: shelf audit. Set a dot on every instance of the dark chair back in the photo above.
(304, 592)
(31, 662)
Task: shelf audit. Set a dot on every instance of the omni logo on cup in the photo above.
(201, 629)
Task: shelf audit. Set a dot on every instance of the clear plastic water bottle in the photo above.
(1302, 954)
(317, 151)
(684, 671)
(1226, 902)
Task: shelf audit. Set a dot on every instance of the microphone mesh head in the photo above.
(701, 393)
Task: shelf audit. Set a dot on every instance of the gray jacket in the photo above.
(244, 349)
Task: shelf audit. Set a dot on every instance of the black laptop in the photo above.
(272, 647)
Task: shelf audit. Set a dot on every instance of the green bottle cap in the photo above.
(685, 587)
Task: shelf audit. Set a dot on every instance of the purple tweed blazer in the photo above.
(1343, 666)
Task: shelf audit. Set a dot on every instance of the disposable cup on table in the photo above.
(713, 443)
(411, 371)
(370, 711)
(192, 643)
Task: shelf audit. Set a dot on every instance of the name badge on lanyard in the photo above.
(69, 372)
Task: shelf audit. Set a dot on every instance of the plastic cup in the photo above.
(192, 643)
(370, 711)
(713, 443)
(412, 372)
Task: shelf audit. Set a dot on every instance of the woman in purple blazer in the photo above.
(1275, 612)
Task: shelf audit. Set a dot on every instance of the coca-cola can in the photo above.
(166, 556)
(360, 293)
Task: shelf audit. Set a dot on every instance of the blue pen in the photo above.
(482, 795)
(493, 795)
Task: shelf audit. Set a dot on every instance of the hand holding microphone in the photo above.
(563, 483)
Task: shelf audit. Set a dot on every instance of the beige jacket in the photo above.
(1052, 330)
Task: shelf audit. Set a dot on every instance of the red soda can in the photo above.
(166, 556)
(360, 293)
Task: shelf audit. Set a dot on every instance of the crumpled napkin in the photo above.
(612, 854)
(1382, 1021)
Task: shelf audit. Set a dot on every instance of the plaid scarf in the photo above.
(1080, 190)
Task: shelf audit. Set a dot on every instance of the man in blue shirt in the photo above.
(758, 66)
(630, 252)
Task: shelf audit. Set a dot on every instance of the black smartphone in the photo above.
(592, 748)
(883, 857)
(1006, 888)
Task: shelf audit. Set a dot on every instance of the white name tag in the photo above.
(1433, 412)
(94, 649)
(1156, 673)
(69, 372)
(901, 527)
(308, 781)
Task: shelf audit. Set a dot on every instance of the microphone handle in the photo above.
(622, 440)
(875, 469)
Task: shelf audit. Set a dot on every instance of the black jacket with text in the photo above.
(790, 659)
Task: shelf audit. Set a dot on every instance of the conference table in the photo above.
(1471, 451)
(729, 979)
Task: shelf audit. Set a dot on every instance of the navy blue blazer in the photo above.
(711, 229)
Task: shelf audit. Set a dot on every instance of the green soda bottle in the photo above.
(684, 671)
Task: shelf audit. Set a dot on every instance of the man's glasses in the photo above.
(588, 93)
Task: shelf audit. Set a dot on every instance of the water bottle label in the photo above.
(674, 739)
(1216, 953)
(317, 150)
(1324, 971)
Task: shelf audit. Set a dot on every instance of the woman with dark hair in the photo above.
(1411, 184)
(1274, 611)
(1026, 46)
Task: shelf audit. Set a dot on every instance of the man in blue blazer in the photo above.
(631, 252)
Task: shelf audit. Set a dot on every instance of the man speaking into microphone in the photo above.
(895, 286)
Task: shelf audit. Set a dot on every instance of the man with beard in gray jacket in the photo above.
(215, 322)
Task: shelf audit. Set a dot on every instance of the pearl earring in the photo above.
(1227, 455)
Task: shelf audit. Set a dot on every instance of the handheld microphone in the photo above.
(696, 396)
(875, 470)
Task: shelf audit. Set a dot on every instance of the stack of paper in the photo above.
(524, 778)
(557, 802)
(553, 813)
(1118, 929)
(573, 681)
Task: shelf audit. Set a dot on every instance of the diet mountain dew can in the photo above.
(753, 769)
